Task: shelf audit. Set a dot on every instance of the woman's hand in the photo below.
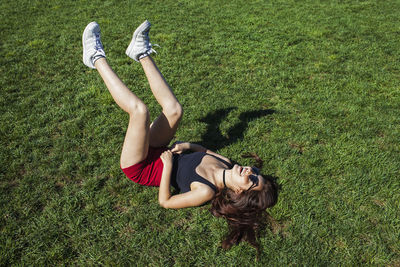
(178, 147)
(166, 158)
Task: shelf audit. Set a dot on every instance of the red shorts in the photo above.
(148, 171)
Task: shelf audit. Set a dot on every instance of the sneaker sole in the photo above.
(142, 27)
(88, 28)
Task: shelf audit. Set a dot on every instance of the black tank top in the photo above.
(184, 171)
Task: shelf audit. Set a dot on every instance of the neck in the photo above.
(220, 178)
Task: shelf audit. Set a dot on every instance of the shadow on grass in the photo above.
(213, 137)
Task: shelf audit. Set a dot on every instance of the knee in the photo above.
(174, 112)
(138, 109)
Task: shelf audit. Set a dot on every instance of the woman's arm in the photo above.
(165, 193)
(189, 199)
(180, 147)
(192, 198)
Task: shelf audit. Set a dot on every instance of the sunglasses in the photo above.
(254, 178)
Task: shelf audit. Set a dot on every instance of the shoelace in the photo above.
(98, 46)
(150, 48)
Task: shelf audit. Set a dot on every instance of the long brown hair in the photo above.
(245, 212)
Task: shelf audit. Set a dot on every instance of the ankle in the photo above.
(144, 58)
(99, 62)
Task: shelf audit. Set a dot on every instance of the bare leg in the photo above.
(136, 144)
(163, 129)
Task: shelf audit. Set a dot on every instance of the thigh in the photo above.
(136, 143)
(162, 130)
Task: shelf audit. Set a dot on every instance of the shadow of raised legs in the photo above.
(213, 137)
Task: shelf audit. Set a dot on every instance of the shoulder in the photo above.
(202, 190)
(225, 160)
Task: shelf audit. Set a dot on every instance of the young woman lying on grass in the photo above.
(238, 193)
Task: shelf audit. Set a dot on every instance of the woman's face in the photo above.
(245, 178)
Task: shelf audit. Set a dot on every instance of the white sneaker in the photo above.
(140, 45)
(92, 46)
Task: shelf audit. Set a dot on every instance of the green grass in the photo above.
(327, 70)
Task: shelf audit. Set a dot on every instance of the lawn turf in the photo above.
(312, 87)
